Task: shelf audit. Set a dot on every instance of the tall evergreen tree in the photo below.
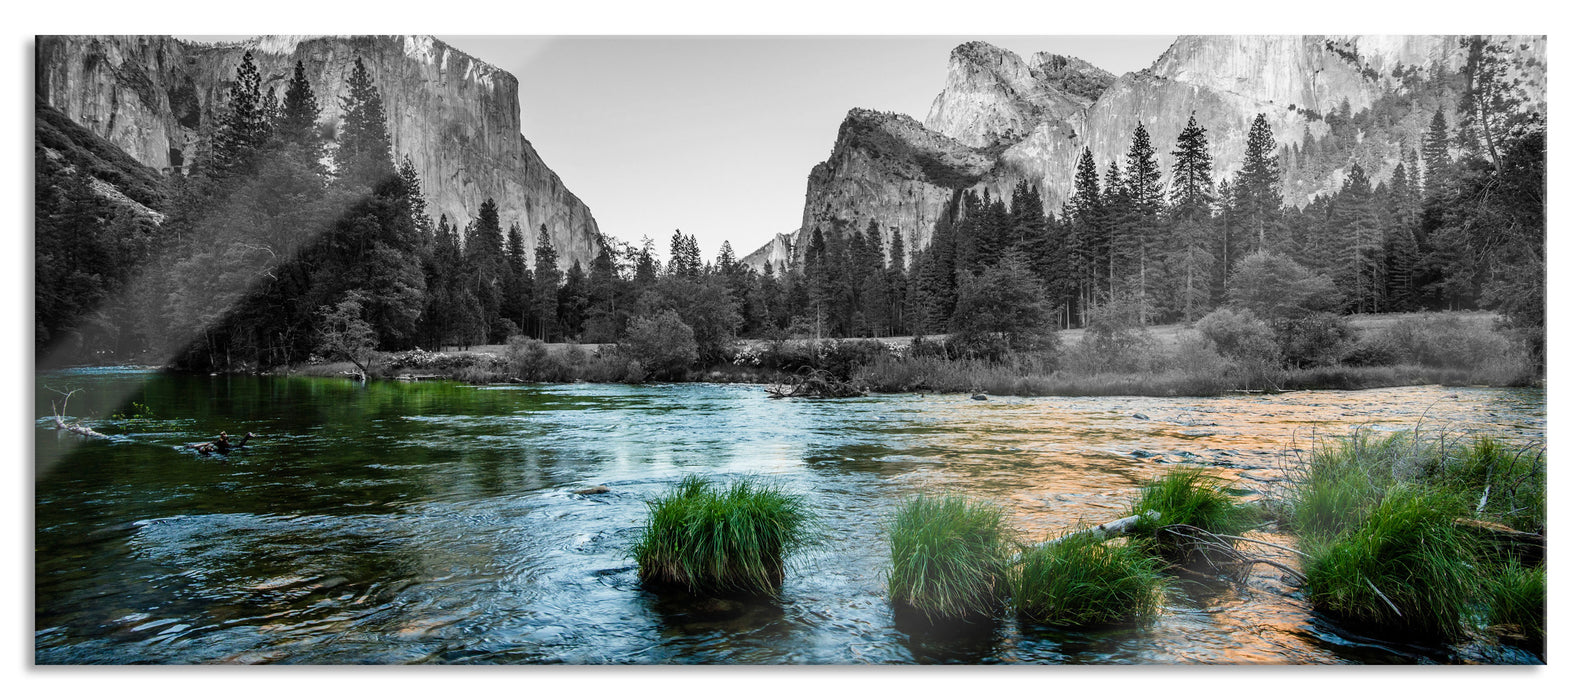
(1145, 195)
(483, 253)
(363, 155)
(1257, 184)
(546, 284)
(243, 126)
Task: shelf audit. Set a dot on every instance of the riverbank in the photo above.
(1450, 349)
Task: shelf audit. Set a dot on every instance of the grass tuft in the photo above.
(948, 557)
(1403, 566)
(1190, 496)
(708, 538)
(1517, 597)
(1081, 581)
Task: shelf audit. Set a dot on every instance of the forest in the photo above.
(283, 240)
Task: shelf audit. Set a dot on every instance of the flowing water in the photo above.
(436, 523)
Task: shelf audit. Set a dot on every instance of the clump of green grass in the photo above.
(948, 557)
(708, 538)
(1403, 566)
(1187, 496)
(1499, 481)
(1082, 581)
(1517, 597)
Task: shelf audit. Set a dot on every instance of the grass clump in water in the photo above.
(708, 538)
(948, 557)
(1081, 581)
(1404, 566)
(1517, 597)
(1187, 496)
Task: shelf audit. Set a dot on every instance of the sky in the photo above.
(715, 135)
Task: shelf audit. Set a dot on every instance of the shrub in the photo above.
(1083, 581)
(948, 557)
(1239, 335)
(710, 539)
(1113, 341)
(1187, 496)
(1404, 567)
(526, 358)
(1000, 310)
(1446, 340)
(1272, 285)
(661, 343)
(1316, 339)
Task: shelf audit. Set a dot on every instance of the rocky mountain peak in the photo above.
(993, 98)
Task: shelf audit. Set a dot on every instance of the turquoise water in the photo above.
(436, 523)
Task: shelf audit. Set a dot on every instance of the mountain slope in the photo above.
(1032, 120)
(456, 117)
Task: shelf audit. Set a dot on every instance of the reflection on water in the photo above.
(436, 522)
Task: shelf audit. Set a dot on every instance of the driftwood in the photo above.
(815, 384)
(1530, 547)
(60, 420)
(1113, 528)
(1221, 547)
(220, 445)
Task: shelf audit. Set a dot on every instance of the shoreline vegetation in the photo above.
(1346, 353)
(1403, 535)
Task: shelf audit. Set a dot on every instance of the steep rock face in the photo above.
(992, 97)
(777, 252)
(456, 117)
(890, 167)
(1032, 121)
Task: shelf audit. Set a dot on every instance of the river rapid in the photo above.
(437, 522)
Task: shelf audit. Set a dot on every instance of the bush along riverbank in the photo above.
(1226, 352)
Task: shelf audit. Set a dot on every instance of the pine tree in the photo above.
(1192, 176)
(1087, 224)
(363, 156)
(1436, 154)
(242, 128)
(1400, 242)
(484, 262)
(1257, 184)
(1489, 104)
(516, 303)
(573, 300)
(1356, 236)
(546, 284)
(1145, 195)
(1191, 199)
(415, 201)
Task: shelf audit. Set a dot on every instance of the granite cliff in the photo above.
(456, 117)
(1000, 119)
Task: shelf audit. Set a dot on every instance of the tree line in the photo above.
(273, 232)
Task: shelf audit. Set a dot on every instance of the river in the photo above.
(436, 522)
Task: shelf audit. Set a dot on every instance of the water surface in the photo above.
(436, 523)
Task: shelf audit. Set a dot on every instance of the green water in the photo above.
(437, 523)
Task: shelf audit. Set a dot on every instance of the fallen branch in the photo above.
(1382, 596)
(60, 420)
(1113, 528)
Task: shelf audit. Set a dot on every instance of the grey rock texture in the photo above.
(456, 117)
(1000, 119)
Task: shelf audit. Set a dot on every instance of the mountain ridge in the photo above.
(456, 116)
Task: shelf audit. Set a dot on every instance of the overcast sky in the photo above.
(715, 135)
